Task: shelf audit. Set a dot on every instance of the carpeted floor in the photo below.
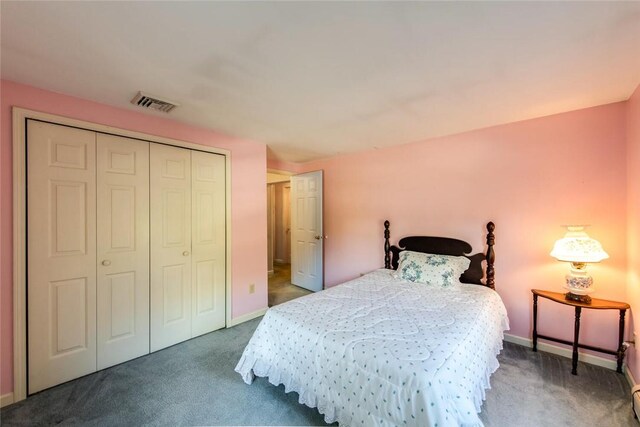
(280, 287)
(537, 389)
(193, 383)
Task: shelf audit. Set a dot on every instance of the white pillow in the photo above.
(432, 269)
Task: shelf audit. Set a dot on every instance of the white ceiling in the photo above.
(313, 79)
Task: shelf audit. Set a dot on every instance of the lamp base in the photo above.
(585, 299)
(579, 284)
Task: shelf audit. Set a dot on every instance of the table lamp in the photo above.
(579, 249)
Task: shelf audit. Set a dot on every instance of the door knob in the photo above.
(317, 237)
(106, 263)
(185, 253)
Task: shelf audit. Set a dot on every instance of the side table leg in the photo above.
(535, 322)
(576, 334)
(621, 348)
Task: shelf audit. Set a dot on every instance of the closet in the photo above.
(187, 244)
(125, 249)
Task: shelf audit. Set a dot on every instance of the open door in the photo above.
(306, 227)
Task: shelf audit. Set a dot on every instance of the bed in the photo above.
(385, 350)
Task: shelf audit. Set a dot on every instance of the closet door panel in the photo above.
(209, 235)
(61, 254)
(170, 205)
(123, 249)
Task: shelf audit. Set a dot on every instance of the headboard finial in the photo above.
(491, 255)
(387, 246)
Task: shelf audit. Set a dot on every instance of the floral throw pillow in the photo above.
(432, 269)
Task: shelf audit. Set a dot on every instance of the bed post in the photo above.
(387, 246)
(491, 255)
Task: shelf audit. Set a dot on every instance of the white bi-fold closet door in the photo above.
(187, 244)
(88, 252)
(93, 287)
(61, 254)
(122, 294)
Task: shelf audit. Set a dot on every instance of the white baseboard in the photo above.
(246, 317)
(6, 399)
(562, 351)
(568, 353)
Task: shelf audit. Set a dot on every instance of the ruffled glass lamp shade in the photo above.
(579, 249)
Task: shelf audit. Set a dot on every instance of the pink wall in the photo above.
(248, 198)
(633, 221)
(528, 177)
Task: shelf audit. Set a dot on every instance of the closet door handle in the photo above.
(106, 262)
(185, 253)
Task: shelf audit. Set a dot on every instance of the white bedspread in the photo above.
(381, 351)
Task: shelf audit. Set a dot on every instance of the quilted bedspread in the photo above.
(382, 351)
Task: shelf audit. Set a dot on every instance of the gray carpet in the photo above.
(193, 383)
(280, 287)
(537, 389)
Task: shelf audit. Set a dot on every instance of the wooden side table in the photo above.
(596, 304)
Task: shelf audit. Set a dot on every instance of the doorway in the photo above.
(279, 240)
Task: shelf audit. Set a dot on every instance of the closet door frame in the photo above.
(20, 117)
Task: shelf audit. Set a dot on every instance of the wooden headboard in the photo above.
(446, 246)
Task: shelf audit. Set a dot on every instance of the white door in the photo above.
(61, 227)
(208, 242)
(286, 210)
(170, 214)
(123, 249)
(271, 226)
(306, 226)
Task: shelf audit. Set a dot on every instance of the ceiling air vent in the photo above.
(153, 102)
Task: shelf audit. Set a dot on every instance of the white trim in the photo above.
(6, 400)
(229, 290)
(562, 351)
(37, 115)
(566, 352)
(634, 396)
(246, 317)
(280, 172)
(19, 259)
(19, 224)
(629, 376)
